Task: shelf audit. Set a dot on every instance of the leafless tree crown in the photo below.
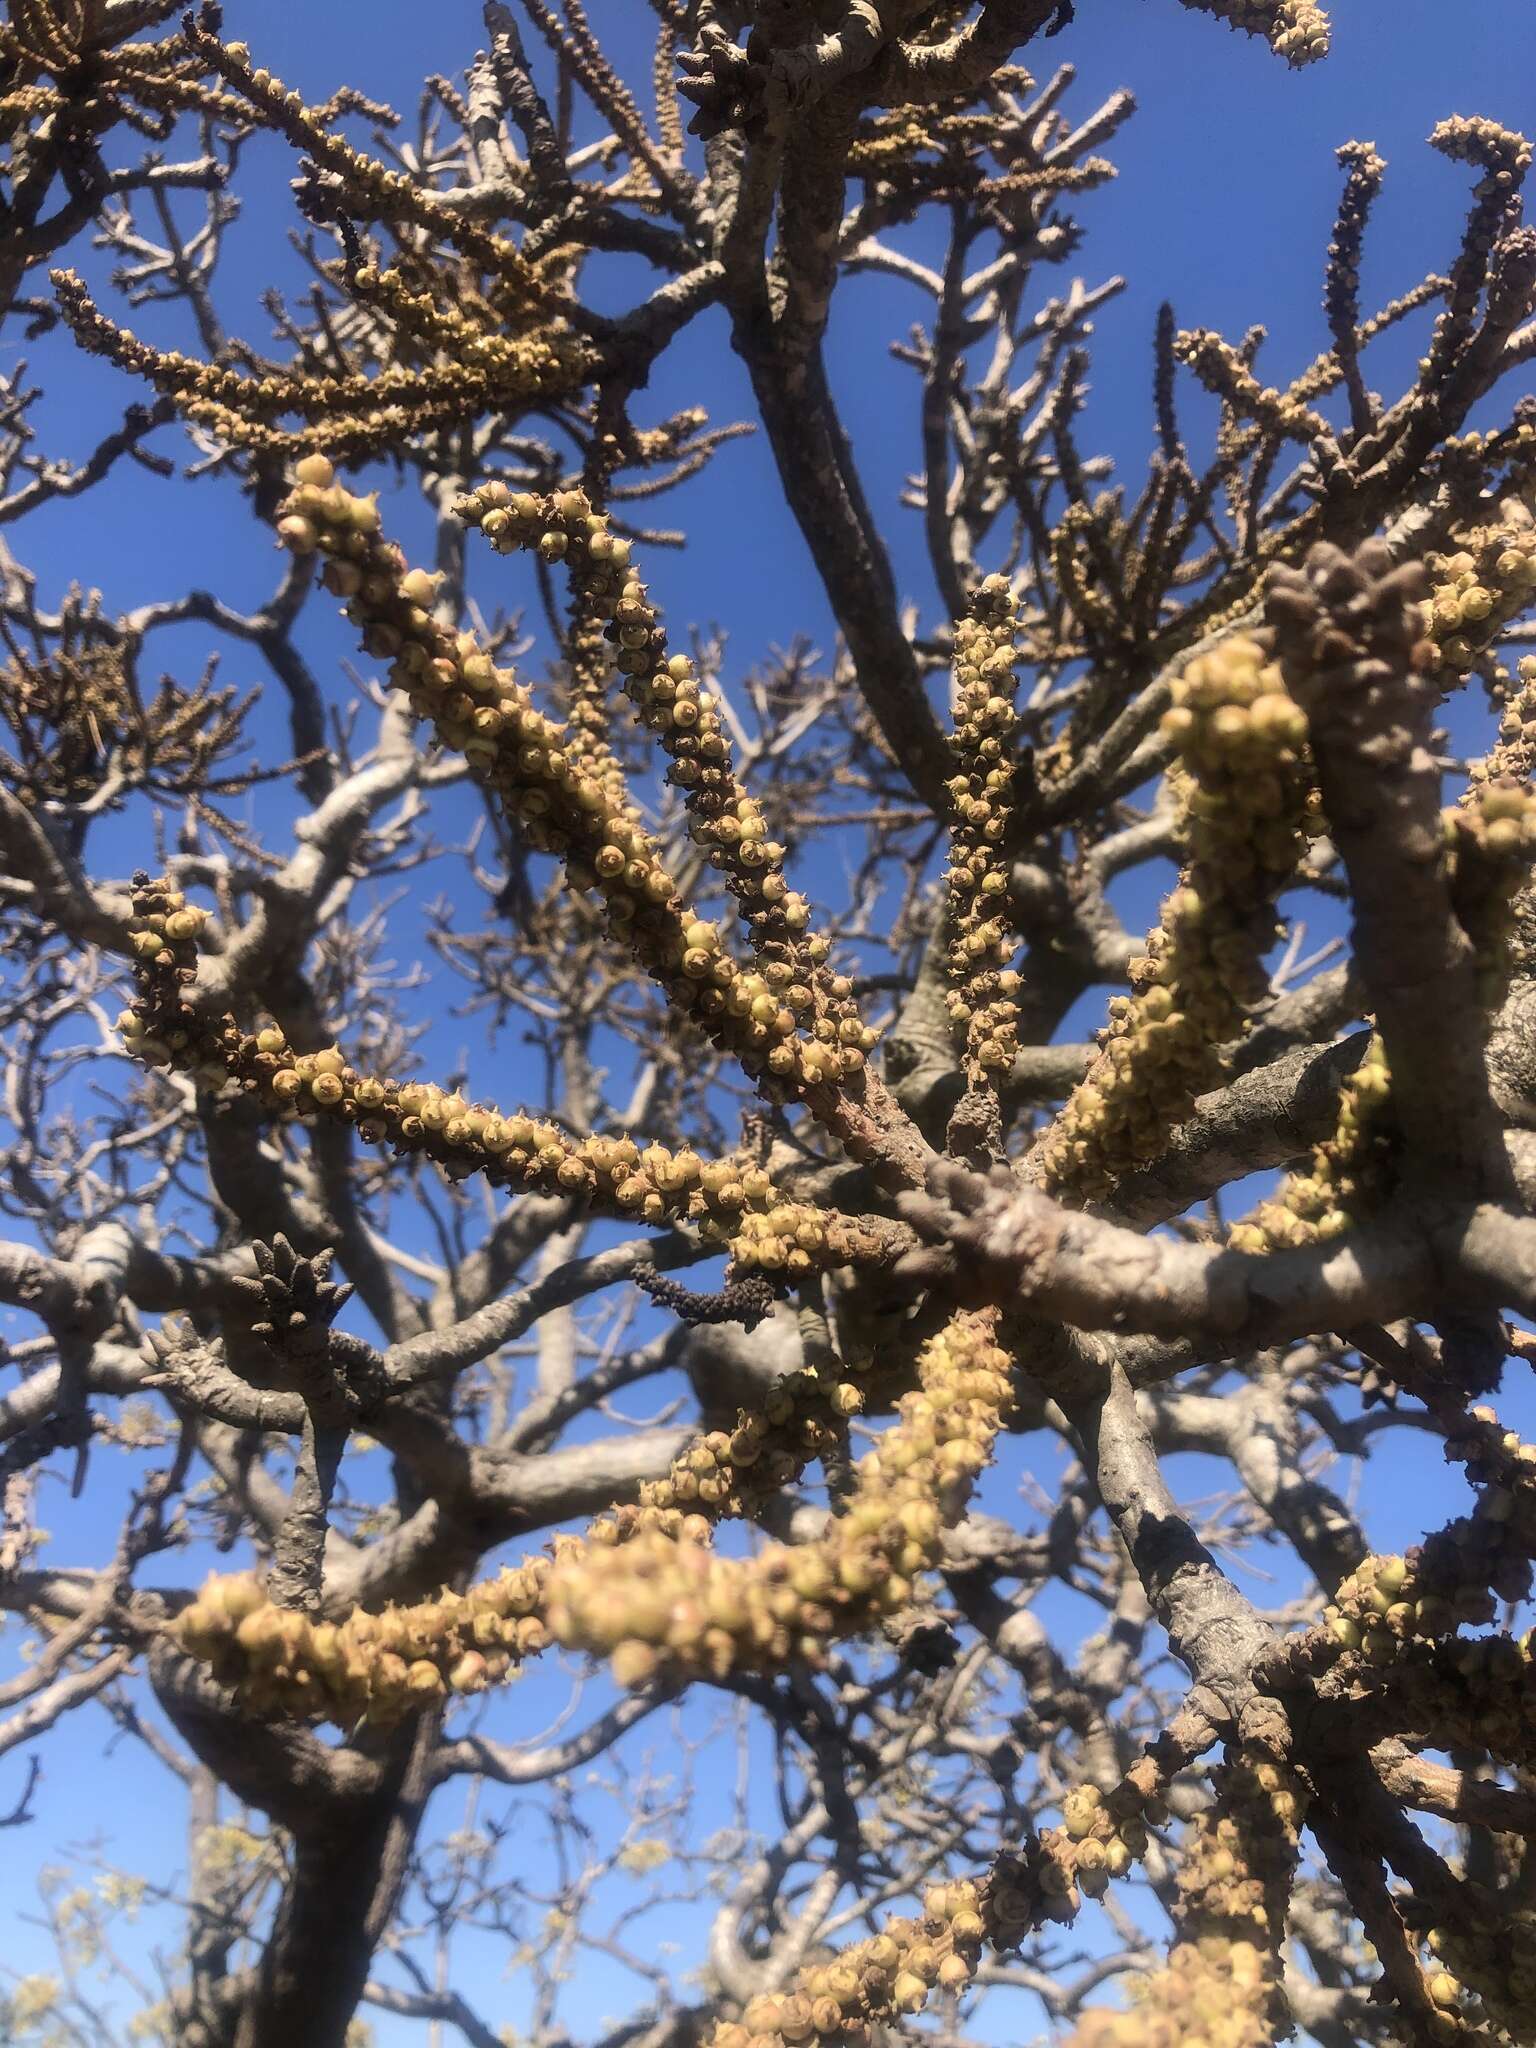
(775, 963)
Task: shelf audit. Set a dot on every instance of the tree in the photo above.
(783, 1131)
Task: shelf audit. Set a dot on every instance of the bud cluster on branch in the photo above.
(356, 414)
(523, 756)
(674, 1609)
(1476, 591)
(982, 941)
(644, 1587)
(873, 1982)
(733, 1202)
(1221, 1984)
(1294, 29)
(1242, 793)
(1458, 1575)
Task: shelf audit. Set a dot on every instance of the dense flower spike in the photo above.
(1350, 1172)
(485, 714)
(1490, 837)
(643, 1586)
(732, 1472)
(355, 414)
(665, 689)
(1458, 1575)
(1296, 30)
(1341, 288)
(1224, 370)
(981, 925)
(666, 1607)
(524, 757)
(1514, 752)
(1496, 253)
(1477, 588)
(725, 822)
(1221, 1984)
(367, 1667)
(874, 1982)
(1243, 795)
(289, 1664)
(589, 711)
(732, 1202)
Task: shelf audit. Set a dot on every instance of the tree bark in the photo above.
(345, 1880)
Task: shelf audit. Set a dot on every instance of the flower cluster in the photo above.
(1221, 1982)
(1243, 795)
(383, 1666)
(369, 1667)
(1514, 752)
(874, 1981)
(1385, 1602)
(79, 730)
(521, 755)
(1296, 30)
(1215, 1992)
(354, 413)
(1082, 540)
(1100, 1837)
(669, 1607)
(159, 1027)
(1476, 590)
(1485, 1974)
(1498, 1461)
(1474, 1691)
(1349, 1173)
(1503, 153)
(1489, 836)
(1459, 1574)
(982, 934)
(104, 73)
(724, 820)
(731, 1201)
(367, 190)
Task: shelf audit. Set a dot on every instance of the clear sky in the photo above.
(1224, 205)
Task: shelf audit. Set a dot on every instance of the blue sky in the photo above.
(1225, 202)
